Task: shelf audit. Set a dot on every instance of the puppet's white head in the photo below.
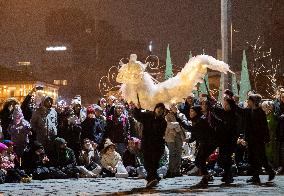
(132, 72)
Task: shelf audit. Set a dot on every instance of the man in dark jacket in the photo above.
(153, 144)
(34, 158)
(226, 134)
(64, 158)
(257, 135)
(204, 135)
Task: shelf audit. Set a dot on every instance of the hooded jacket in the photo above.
(44, 123)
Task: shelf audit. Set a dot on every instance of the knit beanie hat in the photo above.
(3, 147)
(60, 141)
(90, 109)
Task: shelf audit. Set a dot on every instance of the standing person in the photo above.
(279, 113)
(271, 147)
(117, 129)
(93, 127)
(174, 137)
(227, 136)
(257, 135)
(153, 144)
(79, 111)
(19, 129)
(185, 107)
(44, 124)
(71, 130)
(109, 109)
(204, 134)
(6, 116)
(28, 106)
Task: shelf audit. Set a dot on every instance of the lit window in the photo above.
(64, 82)
(56, 82)
(24, 63)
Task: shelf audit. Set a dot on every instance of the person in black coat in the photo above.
(35, 157)
(203, 133)
(257, 135)
(153, 144)
(226, 135)
(28, 106)
(6, 116)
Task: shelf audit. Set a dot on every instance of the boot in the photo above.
(271, 175)
(254, 180)
(203, 183)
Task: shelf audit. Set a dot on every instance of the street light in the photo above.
(56, 48)
(151, 47)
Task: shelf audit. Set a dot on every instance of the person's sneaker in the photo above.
(152, 183)
(254, 180)
(271, 175)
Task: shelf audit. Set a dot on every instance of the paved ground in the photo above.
(114, 186)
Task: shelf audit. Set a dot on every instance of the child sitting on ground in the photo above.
(109, 159)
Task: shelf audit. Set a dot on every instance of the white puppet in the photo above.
(135, 81)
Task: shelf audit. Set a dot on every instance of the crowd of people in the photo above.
(114, 138)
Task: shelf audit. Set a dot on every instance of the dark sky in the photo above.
(184, 24)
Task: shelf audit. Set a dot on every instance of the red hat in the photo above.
(3, 147)
(90, 109)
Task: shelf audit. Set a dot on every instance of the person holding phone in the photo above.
(28, 106)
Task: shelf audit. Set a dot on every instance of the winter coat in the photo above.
(28, 107)
(117, 129)
(19, 134)
(44, 124)
(174, 126)
(271, 147)
(256, 127)
(63, 158)
(202, 131)
(6, 118)
(71, 131)
(279, 113)
(87, 157)
(32, 160)
(154, 129)
(227, 132)
(94, 129)
(110, 160)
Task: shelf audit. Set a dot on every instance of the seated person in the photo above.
(7, 166)
(109, 159)
(63, 158)
(89, 160)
